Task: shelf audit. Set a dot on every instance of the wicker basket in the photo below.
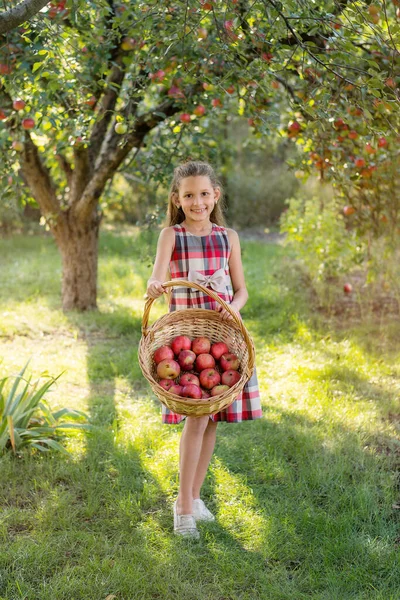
(195, 322)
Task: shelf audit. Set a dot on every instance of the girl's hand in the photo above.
(224, 313)
(155, 290)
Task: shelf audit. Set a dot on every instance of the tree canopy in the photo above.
(87, 86)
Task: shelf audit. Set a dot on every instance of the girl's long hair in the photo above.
(193, 168)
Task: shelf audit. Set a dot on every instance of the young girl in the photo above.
(195, 246)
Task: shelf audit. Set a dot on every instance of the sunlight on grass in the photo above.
(156, 444)
(237, 509)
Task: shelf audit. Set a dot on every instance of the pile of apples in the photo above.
(196, 369)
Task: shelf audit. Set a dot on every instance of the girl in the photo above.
(196, 245)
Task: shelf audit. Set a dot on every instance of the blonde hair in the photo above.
(193, 168)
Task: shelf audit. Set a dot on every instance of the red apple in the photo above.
(353, 135)
(209, 378)
(294, 127)
(348, 210)
(216, 102)
(166, 383)
(382, 142)
(159, 75)
(230, 377)
(218, 349)
(5, 69)
(390, 82)
(201, 345)
(181, 342)
(359, 162)
(168, 369)
(347, 288)
(267, 56)
(175, 92)
(369, 149)
(19, 104)
(229, 361)
(185, 118)
(199, 110)
(219, 389)
(91, 101)
(189, 378)
(339, 124)
(176, 389)
(191, 391)
(28, 123)
(204, 361)
(2, 115)
(163, 353)
(186, 359)
(205, 394)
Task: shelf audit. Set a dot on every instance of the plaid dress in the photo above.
(207, 254)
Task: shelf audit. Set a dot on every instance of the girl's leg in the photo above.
(190, 449)
(206, 453)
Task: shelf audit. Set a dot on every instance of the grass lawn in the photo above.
(306, 498)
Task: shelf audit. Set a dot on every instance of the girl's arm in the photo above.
(165, 246)
(240, 294)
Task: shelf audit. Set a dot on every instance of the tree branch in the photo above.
(114, 154)
(40, 184)
(14, 17)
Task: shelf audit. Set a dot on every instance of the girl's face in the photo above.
(197, 198)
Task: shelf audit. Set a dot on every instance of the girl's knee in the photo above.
(197, 424)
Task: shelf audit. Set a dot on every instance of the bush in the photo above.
(332, 253)
(316, 230)
(26, 420)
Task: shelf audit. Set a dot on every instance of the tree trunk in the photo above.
(78, 246)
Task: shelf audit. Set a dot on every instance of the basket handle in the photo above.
(196, 286)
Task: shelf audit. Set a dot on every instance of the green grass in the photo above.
(304, 497)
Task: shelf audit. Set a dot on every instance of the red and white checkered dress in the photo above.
(207, 254)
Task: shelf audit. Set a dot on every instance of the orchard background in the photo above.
(297, 106)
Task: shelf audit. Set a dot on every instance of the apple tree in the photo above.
(88, 87)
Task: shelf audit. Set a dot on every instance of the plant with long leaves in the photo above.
(26, 420)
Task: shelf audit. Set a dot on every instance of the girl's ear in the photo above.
(175, 199)
(217, 194)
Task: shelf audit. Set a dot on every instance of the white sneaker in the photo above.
(185, 525)
(201, 512)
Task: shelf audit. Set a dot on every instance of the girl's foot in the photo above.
(201, 512)
(185, 525)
